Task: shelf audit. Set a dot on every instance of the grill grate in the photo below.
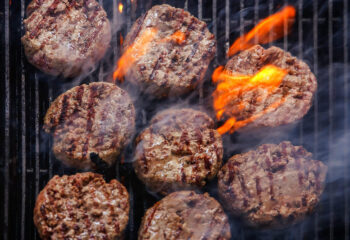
(320, 36)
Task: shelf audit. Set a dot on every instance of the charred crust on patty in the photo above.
(185, 215)
(180, 149)
(170, 68)
(65, 37)
(98, 118)
(273, 185)
(295, 91)
(82, 206)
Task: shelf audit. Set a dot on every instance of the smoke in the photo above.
(324, 131)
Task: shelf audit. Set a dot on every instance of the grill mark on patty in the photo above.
(190, 27)
(183, 175)
(267, 161)
(156, 66)
(196, 45)
(64, 108)
(241, 181)
(149, 220)
(40, 26)
(137, 31)
(300, 178)
(90, 117)
(199, 136)
(72, 148)
(144, 163)
(231, 172)
(79, 98)
(104, 112)
(92, 37)
(258, 187)
(184, 138)
(207, 163)
(270, 175)
(115, 131)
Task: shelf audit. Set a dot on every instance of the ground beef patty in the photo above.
(65, 36)
(179, 150)
(171, 67)
(90, 124)
(185, 215)
(82, 206)
(272, 185)
(297, 88)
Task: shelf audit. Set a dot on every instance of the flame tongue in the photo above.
(134, 52)
(268, 30)
(231, 86)
(141, 46)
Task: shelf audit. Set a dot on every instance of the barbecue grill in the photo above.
(320, 37)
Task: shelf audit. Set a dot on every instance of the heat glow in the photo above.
(268, 30)
(120, 7)
(134, 52)
(231, 86)
(140, 48)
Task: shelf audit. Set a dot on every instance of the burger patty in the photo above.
(185, 215)
(170, 66)
(273, 185)
(65, 36)
(82, 206)
(179, 150)
(295, 91)
(90, 124)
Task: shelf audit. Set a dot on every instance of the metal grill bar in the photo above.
(215, 29)
(330, 111)
(285, 39)
(300, 55)
(346, 116)
(37, 143)
(227, 26)
(200, 9)
(315, 69)
(23, 131)
(7, 121)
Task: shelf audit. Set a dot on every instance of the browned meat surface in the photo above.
(65, 36)
(273, 185)
(179, 150)
(90, 124)
(171, 68)
(295, 91)
(82, 206)
(185, 215)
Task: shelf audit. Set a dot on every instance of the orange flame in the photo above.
(121, 39)
(270, 29)
(120, 7)
(178, 37)
(232, 85)
(140, 47)
(134, 52)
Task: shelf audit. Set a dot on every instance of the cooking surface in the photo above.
(320, 37)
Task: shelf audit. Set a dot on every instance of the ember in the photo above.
(268, 30)
(231, 86)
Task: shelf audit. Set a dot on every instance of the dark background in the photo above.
(320, 37)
